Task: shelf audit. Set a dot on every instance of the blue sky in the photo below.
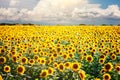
(106, 3)
(60, 11)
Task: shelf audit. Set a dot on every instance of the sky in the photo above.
(60, 11)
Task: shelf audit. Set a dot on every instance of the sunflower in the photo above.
(113, 57)
(108, 66)
(97, 79)
(55, 65)
(102, 56)
(39, 60)
(65, 56)
(52, 58)
(7, 68)
(55, 55)
(101, 60)
(50, 71)
(82, 74)
(117, 68)
(79, 50)
(14, 58)
(2, 60)
(36, 57)
(89, 58)
(71, 55)
(102, 71)
(31, 61)
(106, 76)
(24, 60)
(81, 57)
(75, 66)
(20, 69)
(2, 51)
(1, 77)
(44, 74)
(61, 67)
(43, 60)
(67, 65)
(73, 50)
(61, 53)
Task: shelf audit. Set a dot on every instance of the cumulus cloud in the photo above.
(14, 2)
(60, 11)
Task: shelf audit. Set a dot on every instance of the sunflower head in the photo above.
(82, 74)
(24, 60)
(75, 66)
(106, 76)
(67, 65)
(43, 61)
(44, 74)
(14, 58)
(61, 67)
(101, 60)
(97, 79)
(2, 60)
(36, 57)
(113, 57)
(65, 56)
(102, 71)
(108, 66)
(117, 67)
(55, 65)
(1, 77)
(89, 58)
(31, 61)
(20, 69)
(7, 68)
(71, 55)
(50, 71)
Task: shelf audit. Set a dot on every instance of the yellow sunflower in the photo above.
(7, 68)
(65, 56)
(82, 74)
(89, 58)
(102, 71)
(44, 74)
(31, 61)
(2, 60)
(81, 57)
(117, 68)
(61, 67)
(106, 76)
(39, 60)
(113, 57)
(50, 71)
(108, 66)
(67, 65)
(20, 69)
(101, 60)
(24, 60)
(43, 61)
(36, 57)
(55, 65)
(75, 66)
(1, 77)
(14, 58)
(71, 55)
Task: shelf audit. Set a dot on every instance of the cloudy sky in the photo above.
(60, 11)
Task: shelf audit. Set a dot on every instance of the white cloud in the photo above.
(14, 2)
(60, 11)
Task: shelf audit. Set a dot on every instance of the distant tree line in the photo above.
(16, 24)
(57, 24)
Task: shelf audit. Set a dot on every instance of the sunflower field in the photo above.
(59, 52)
